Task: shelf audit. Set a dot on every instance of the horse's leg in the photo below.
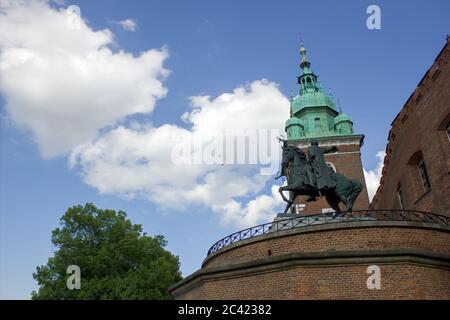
(356, 189)
(280, 190)
(293, 193)
(344, 199)
(333, 201)
(289, 202)
(304, 191)
(341, 192)
(288, 206)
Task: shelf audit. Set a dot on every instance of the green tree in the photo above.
(117, 260)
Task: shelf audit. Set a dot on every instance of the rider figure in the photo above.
(325, 177)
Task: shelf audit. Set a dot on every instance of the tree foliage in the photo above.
(117, 260)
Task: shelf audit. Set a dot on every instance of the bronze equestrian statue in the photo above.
(313, 177)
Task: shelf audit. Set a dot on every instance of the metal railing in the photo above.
(328, 218)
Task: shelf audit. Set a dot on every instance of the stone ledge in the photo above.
(357, 139)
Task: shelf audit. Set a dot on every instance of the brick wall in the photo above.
(419, 130)
(378, 238)
(328, 262)
(398, 281)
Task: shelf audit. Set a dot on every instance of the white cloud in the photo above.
(262, 208)
(257, 105)
(128, 24)
(373, 176)
(136, 162)
(61, 80)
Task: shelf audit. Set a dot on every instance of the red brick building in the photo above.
(416, 172)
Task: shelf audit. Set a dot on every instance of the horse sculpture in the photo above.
(301, 181)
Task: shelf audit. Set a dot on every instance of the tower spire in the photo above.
(313, 113)
(307, 80)
(304, 63)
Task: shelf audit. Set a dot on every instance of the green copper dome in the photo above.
(314, 113)
(343, 124)
(311, 99)
(342, 117)
(293, 121)
(295, 128)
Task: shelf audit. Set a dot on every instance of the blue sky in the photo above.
(210, 48)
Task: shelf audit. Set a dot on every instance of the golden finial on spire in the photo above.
(304, 59)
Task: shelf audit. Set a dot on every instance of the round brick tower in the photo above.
(325, 257)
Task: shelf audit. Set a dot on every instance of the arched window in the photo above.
(400, 197)
(418, 173)
(317, 123)
(423, 174)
